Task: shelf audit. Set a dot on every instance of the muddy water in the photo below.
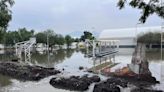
(70, 60)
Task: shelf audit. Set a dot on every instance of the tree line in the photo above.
(10, 38)
(150, 38)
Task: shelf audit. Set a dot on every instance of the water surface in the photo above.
(70, 60)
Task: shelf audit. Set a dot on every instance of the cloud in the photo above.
(66, 16)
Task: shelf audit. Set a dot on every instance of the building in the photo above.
(127, 37)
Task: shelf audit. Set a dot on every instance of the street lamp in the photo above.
(162, 39)
(48, 55)
(162, 33)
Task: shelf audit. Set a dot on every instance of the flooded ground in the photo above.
(70, 61)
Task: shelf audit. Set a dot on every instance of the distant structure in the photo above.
(40, 47)
(127, 36)
(2, 46)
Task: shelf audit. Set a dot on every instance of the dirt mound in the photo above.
(75, 83)
(26, 72)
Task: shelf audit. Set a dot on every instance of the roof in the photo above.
(126, 32)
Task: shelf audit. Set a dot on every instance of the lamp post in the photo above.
(162, 23)
(48, 55)
(161, 40)
(162, 33)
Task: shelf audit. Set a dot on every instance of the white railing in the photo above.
(102, 46)
(26, 48)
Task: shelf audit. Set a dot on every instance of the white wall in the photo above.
(127, 41)
(123, 41)
(1, 46)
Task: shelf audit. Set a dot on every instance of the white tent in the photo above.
(126, 36)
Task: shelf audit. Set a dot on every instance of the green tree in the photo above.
(24, 34)
(60, 40)
(53, 38)
(2, 33)
(87, 35)
(20, 35)
(68, 40)
(41, 37)
(5, 12)
(148, 7)
(12, 37)
(5, 16)
(76, 40)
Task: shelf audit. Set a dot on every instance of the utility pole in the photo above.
(48, 56)
(162, 34)
(136, 31)
(162, 75)
(93, 49)
(162, 41)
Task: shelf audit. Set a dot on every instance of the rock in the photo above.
(106, 88)
(15, 60)
(118, 81)
(75, 83)
(90, 71)
(110, 85)
(63, 69)
(26, 72)
(81, 68)
(95, 79)
(139, 80)
(148, 78)
(145, 90)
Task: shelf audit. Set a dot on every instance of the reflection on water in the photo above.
(6, 55)
(57, 57)
(4, 81)
(70, 60)
(42, 58)
(154, 55)
(52, 58)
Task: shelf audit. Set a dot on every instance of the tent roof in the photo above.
(126, 32)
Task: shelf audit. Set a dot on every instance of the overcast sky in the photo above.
(66, 16)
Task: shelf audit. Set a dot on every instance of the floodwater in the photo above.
(70, 60)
